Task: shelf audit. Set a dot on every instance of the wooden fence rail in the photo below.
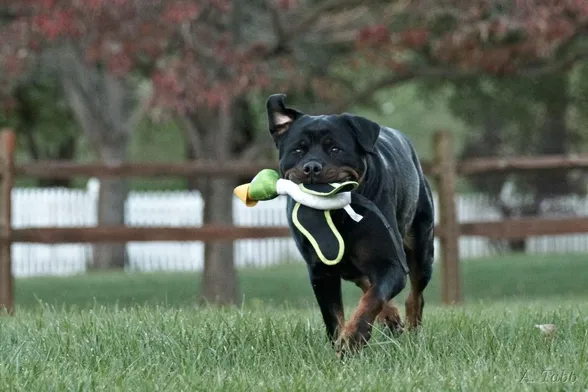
(114, 234)
(518, 164)
(443, 169)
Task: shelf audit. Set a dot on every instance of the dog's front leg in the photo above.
(389, 315)
(384, 267)
(357, 331)
(326, 285)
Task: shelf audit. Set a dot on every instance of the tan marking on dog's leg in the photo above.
(357, 330)
(389, 316)
(414, 301)
(414, 309)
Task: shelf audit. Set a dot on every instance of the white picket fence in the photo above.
(64, 207)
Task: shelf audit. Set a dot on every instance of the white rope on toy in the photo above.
(339, 201)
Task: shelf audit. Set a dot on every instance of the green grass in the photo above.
(520, 277)
(141, 332)
(487, 348)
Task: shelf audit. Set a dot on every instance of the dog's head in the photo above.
(320, 149)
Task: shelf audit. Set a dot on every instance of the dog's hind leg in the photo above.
(420, 264)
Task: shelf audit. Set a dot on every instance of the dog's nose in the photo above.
(312, 167)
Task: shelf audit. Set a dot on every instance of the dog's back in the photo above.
(395, 181)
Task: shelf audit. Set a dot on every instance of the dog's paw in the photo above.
(350, 341)
(390, 317)
(412, 324)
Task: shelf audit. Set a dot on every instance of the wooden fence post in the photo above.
(449, 236)
(7, 147)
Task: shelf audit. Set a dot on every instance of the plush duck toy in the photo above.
(311, 214)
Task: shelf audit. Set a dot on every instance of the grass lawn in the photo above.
(141, 332)
(519, 277)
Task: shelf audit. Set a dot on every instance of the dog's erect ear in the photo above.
(279, 117)
(365, 131)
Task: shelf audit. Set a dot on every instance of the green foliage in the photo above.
(418, 116)
(43, 119)
(579, 112)
(514, 116)
(505, 102)
(6, 120)
(157, 142)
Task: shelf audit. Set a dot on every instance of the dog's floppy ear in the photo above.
(279, 117)
(365, 131)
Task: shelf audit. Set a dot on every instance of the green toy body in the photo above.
(264, 185)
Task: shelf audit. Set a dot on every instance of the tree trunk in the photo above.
(227, 134)
(220, 277)
(219, 286)
(106, 108)
(192, 183)
(111, 210)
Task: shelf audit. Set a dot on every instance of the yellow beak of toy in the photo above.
(242, 192)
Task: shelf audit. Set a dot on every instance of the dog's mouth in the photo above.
(326, 176)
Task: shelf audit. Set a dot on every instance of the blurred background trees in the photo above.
(118, 80)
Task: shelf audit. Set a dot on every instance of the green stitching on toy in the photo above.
(336, 189)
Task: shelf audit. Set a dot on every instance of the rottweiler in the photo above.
(380, 251)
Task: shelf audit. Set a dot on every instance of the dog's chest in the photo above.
(364, 242)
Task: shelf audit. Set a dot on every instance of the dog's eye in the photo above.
(297, 150)
(335, 150)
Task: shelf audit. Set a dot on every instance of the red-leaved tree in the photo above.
(203, 58)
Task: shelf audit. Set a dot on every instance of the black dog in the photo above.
(336, 148)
